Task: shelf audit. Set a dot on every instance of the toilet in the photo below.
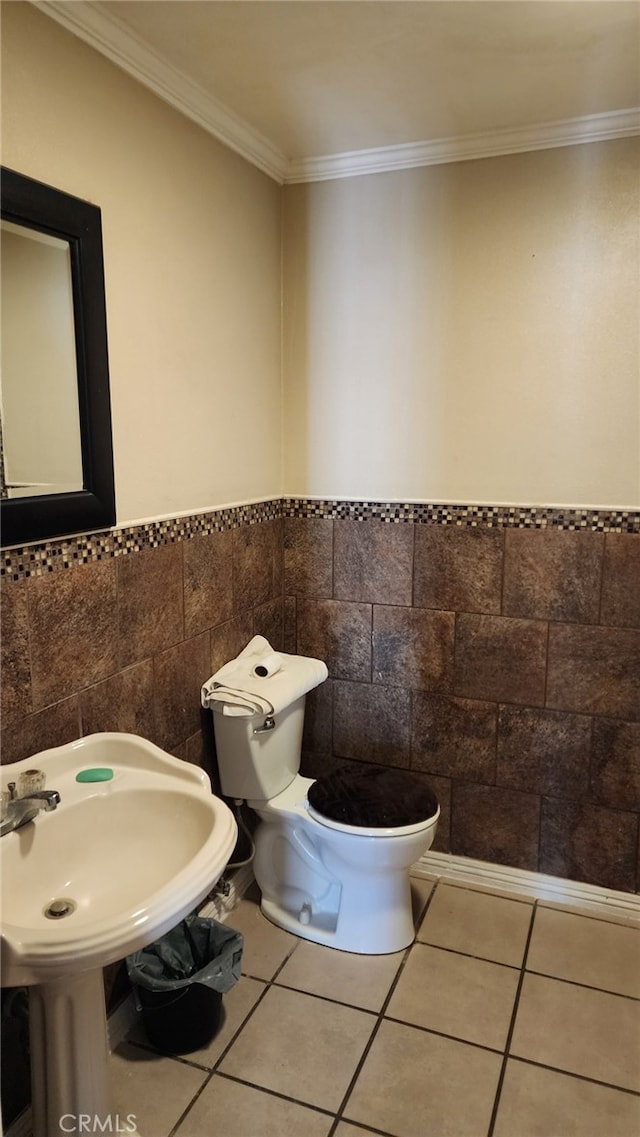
(332, 855)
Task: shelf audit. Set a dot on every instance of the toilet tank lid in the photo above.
(374, 797)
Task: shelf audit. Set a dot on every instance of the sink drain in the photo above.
(57, 909)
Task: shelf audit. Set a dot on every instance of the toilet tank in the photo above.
(255, 763)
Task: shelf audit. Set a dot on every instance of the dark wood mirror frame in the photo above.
(38, 206)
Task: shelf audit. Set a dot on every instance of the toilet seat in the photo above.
(367, 831)
(298, 795)
(375, 799)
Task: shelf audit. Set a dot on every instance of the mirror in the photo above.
(56, 468)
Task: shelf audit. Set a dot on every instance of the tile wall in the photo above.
(120, 633)
(495, 651)
(497, 654)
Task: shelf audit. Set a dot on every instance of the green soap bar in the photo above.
(99, 774)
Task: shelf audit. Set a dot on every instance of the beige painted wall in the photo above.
(467, 332)
(462, 333)
(192, 263)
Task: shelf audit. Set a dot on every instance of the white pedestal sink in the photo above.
(130, 856)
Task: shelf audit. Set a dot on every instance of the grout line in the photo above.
(223, 1053)
(486, 890)
(577, 1077)
(505, 1059)
(445, 1034)
(380, 1019)
(380, 1016)
(584, 986)
(275, 1093)
(467, 955)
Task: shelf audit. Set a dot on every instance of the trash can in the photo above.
(180, 980)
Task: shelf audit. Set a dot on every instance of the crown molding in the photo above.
(112, 39)
(464, 148)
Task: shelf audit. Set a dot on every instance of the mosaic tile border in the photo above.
(483, 516)
(52, 556)
(65, 552)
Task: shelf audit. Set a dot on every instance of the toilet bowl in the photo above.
(322, 876)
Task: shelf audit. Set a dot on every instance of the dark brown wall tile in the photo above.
(454, 737)
(72, 618)
(615, 764)
(458, 569)
(318, 719)
(373, 562)
(198, 752)
(178, 675)
(621, 580)
(588, 843)
(150, 603)
(413, 647)
(308, 557)
(122, 702)
(544, 751)
(500, 659)
(257, 564)
(208, 581)
(14, 648)
(339, 633)
(228, 640)
(551, 574)
(54, 726)
(315, 764)
(442, 789)
(371, 723)
(495, 824)
(268, 621)
(290, 620)
(595, 670)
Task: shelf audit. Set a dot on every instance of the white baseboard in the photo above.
(542, 887)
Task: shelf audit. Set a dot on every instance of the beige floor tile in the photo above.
(421, 889)
(579, 1030)
(236, 1005)
(478, 923)
(415, 1083)
(300, 1046)
(236, 1110)
(469, 998)
(265, 946)
(360, 980)
(586, 951)
(154, 1089)
(541, 1103)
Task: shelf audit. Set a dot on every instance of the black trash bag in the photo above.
(180, 980)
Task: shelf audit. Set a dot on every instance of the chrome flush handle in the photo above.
(268, 724)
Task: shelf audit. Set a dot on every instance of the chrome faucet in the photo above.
(23, 809)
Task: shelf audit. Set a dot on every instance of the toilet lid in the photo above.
(374, 797)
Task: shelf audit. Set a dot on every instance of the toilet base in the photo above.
(381, 930)
(339, 886)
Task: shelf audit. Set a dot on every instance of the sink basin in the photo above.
(123, 860)
(132, 856)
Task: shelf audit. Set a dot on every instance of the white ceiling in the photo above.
(321, 88)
